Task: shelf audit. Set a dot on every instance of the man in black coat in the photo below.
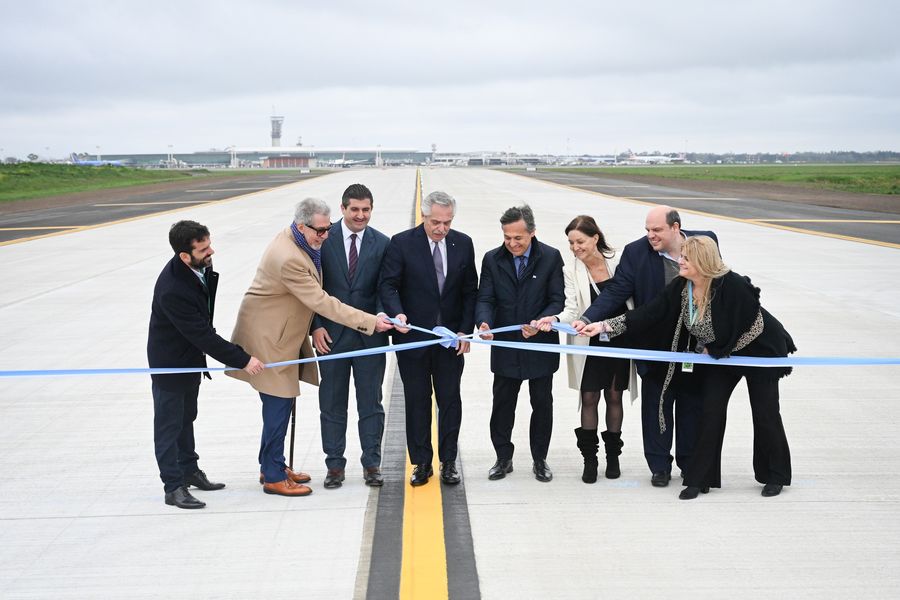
(521, 281)
(181, 335)
(428, 278)
(647, 265)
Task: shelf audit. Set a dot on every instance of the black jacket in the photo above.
(408, 284)
(734, 306)
(504, 299)
(640, 276)
(181, 333)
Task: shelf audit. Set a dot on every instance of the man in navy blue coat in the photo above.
(351, 262)
(521, 281)
(647, 265)
(428, 278)
(181, 335)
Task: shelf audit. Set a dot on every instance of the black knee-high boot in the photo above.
(612, 441)
(588, 443)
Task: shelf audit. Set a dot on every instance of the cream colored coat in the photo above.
(275, 315)
(578, 298)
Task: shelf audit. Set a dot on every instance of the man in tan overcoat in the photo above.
(273, 324)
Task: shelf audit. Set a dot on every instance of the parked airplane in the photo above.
(653, 159)
(96, 163)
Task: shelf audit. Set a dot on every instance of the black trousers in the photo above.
(436, 369)
(682, 407)
(174, 414)
(503, 415)
(771, 455)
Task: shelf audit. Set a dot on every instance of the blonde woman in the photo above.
(709, 308)
(594, 266)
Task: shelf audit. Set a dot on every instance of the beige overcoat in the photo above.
(275, 315)
(578, 298)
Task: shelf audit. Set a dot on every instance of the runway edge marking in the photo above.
(759, 223)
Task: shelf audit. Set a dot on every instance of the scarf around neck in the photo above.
(315, 255)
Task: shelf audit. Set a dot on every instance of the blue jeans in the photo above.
(276, 414)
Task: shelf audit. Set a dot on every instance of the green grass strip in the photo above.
(864, 179)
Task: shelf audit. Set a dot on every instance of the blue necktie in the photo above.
(521, 268)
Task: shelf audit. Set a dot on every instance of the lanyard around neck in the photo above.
(692, 313)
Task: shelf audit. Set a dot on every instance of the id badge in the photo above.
(687, 367)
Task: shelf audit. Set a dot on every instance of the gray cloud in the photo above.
(527, 75)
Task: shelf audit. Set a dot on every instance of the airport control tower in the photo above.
(276, 130)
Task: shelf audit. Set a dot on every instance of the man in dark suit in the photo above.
(351, 262)
(647, 265)
(428, 278)
(521, 281)
(181, 335)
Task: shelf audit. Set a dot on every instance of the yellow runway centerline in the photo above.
(423, 568)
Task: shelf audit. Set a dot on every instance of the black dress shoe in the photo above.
(334, 479)
(373, 477)
(449, 474)
(182, 499)
(542, 470)
(660, 479)
(500, 469)
(771, 489)
(691, 492)
(421, 474)
(199, 481)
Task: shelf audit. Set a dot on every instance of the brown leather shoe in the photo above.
(287, 488)
(373, 476)
(295, 476)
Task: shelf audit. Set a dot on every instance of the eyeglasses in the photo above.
(320, 231)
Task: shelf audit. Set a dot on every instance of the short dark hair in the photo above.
(357, 191)
(183, 234)
(519, 213)
(673, 217)
(588, 226)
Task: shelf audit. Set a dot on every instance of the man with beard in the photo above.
(181, 335)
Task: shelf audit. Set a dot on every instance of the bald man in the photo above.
(647, 265)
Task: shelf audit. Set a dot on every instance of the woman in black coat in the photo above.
(713, 310)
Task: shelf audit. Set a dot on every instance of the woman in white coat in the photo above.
(594, 266)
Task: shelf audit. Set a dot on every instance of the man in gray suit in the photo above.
(351, 261)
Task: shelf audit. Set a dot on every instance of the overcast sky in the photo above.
(561, 77)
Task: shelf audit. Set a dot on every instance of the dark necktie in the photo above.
(438, 267)
(352, 257)
(521, 268)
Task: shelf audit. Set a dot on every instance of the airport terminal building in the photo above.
(279, 157)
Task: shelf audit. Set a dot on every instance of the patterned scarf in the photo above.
(315, 255)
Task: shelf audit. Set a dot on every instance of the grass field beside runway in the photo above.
(38, 180)
(864, 179)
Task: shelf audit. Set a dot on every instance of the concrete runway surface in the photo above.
(82, 513)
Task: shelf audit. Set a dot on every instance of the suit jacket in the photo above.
(641, 277)
(408, 283)
(504, 299)
(362, 292)
(181, 331)
(578, 298)
(735, 310)
(275, 315)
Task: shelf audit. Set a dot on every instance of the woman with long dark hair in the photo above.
(586, 277)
